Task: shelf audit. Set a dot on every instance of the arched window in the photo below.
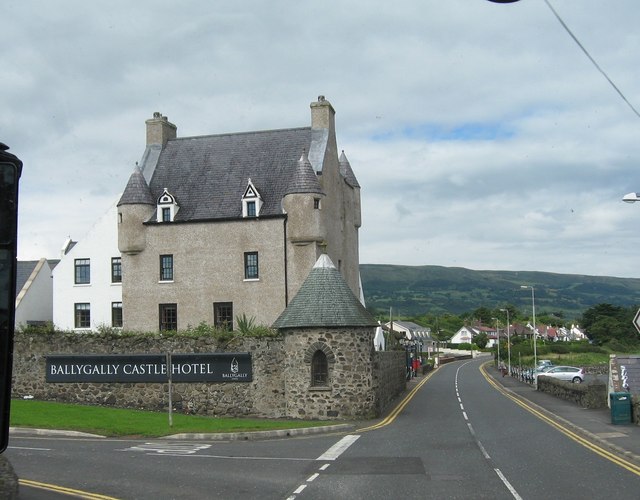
(319, 369)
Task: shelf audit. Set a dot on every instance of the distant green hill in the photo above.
(417, 290)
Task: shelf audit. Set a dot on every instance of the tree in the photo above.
(483, 314)
(605, 322)
(481, 340)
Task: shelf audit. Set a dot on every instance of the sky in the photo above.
(481, 134)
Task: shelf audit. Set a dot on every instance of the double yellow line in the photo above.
(598, 450)
(396, 411)
(63, 490)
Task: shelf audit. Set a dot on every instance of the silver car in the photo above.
(568, 373)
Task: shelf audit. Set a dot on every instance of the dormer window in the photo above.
(251, 201)
(251, 208)
(167, 207)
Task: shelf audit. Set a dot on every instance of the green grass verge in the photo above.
(115, 422)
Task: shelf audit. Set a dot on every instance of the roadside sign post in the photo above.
(170, 389)
(10, 170)
(636, 321)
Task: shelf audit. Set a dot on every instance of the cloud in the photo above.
(481, 134)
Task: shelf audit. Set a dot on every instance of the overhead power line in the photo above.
(591, 58)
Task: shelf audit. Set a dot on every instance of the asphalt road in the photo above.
(457, 437)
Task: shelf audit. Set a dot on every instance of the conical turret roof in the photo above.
(137, 191)
(324, 299)
(304, 179)
(347, 171)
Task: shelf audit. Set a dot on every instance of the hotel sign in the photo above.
(219, 367)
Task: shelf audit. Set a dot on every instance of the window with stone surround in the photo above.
(319, 370)
(321, 358)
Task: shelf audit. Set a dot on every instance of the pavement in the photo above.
(592, 424)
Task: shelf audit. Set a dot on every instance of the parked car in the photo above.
(545, 368)
(542, 363)
(568, 373)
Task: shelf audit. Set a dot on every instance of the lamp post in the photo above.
(498, 341)
(508, 341)
(535, 333)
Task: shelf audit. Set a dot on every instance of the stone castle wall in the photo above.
(350, 391)
(362, 382)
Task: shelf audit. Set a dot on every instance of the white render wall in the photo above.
(100, 245)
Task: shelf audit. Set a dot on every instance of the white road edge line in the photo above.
(508, 485)
(339, 448)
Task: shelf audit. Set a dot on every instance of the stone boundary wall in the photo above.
(591, 395)
(635, 409)
(264, 397)
(389, 377)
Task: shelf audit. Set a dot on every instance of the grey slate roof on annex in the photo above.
(324, 299)
(209, 174)
(23, 271)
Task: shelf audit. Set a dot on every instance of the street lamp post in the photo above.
(498, 341)
(508, 341)
(533, 310)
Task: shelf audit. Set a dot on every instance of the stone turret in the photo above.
(353, 197)
(306, 231)
(328, 338)
(303, 203)
(136, 206)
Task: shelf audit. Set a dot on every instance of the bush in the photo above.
(43, 329)
(615, 345)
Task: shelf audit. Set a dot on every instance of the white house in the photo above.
(464, 335)
(410, 329)
(413, 331)
(87, 291)
(34, 292)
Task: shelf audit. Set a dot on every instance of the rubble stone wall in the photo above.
(362, 382)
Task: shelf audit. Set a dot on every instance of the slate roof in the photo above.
(324, 300)
(137, 191)
(209, 174)
(305, 179)
(26, 267)
(23, 271)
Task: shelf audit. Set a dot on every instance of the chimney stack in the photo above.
(160, 130)
(322, 114)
